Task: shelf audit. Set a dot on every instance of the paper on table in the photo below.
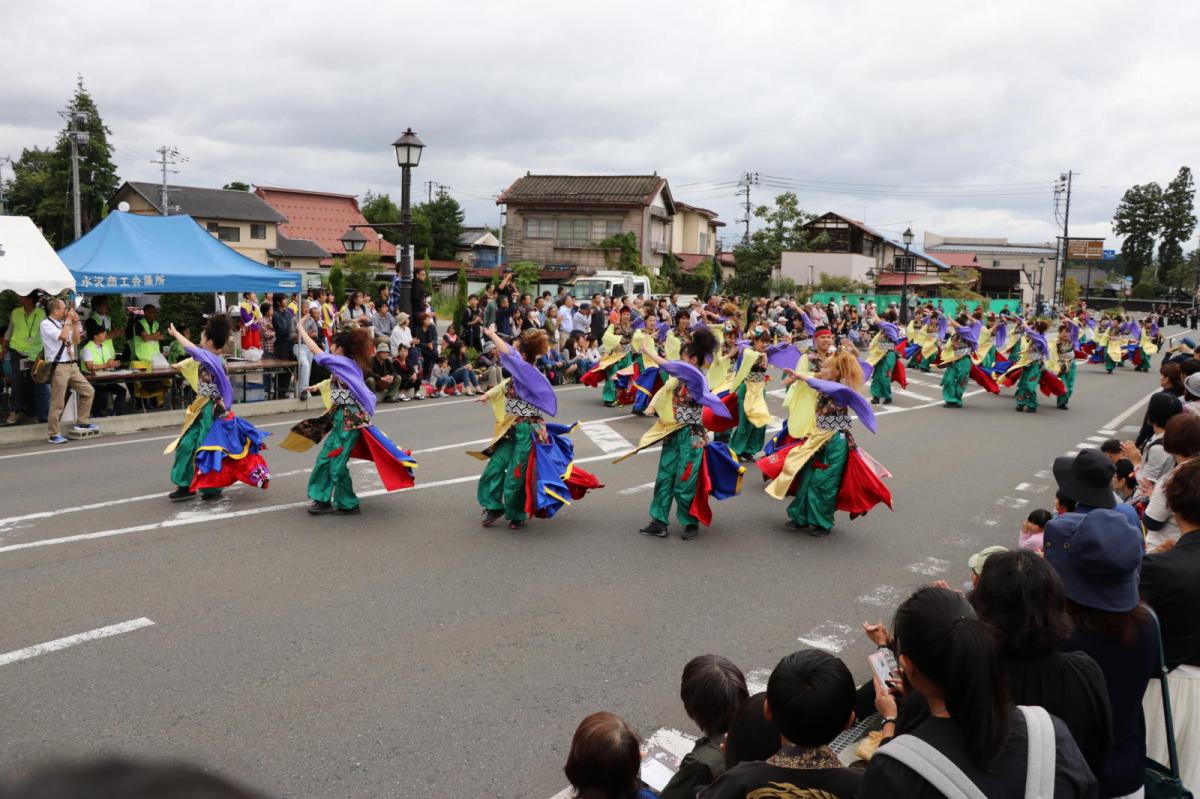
(656, 774)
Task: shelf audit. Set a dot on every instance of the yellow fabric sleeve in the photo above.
(673, 347)
(800, 402)
(190, 369)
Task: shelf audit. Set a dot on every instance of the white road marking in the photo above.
(830, 636)
(169, 523)
(1125, 414)
(1107, 432)
(929, 567)
(906, 393)
(1012, 502)
(1086, 445)
(1071, 453)
(1097, 439)
(1021, 487)
(607, 439)
(884, 596)
(636, 489)
(73, 640)
(756, 680)
(1044, 474)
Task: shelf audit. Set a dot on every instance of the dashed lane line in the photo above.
(59, 644)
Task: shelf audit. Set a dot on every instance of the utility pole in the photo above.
(5, 160)
(1060, 267)
(167, 157)
(748, 179)
(429, 184)
(75, 137)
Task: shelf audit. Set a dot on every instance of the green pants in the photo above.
(881, 378)
(1144, 366)
(609, 394)
(330, 480)
(818, 483)
(183, 470)
(678, 472)
(1027, 386)
(954, 381)
(502, 484)
(746, 439)
(1068, 378)
(927, 363)
(1109, 363)
(989, 360)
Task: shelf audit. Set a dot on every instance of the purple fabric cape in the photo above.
(847, 398)
(783, 356)
(1073, 334)
(347, 371)
(967, 333)
(809, 327)
(1001, 335)
(216, 367)
(891, 331)
(1135, 331)
(1038, 341)
(661, 335)
(532, 386)
(697, 386)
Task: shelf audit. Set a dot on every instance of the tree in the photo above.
(1182, 279)
(379, 208)
(1139, 219)
(236, 185)
(41, 186)
(1177, 220)
(670, 272)
(1145, 290)
(359, 270)
(962, 282)
(445, 217)
(784, 232)
(460, 297)
(428, 277)
(421, 237)
(526, 274)
(839, 283)
(1070, 290)
(337, 283)
(181, 309)
(621, 252)
(697, 281)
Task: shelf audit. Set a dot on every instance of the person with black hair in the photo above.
(810, 700)
(749, 384)
(712, 689)
(1029, 373)
(751, 736)
(346, 427)
(881, 355)
(953, 659)
(214, 449)
(1032, 530)
(115, 778)
(1021, 596)
(682, 405)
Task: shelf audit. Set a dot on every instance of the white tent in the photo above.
(27, 261)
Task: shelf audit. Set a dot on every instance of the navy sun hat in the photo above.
(1098, 555)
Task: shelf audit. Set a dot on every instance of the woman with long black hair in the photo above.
(974, 738)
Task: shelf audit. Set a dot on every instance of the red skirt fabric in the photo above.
(985, 380)
(899, 375)
(861, 488)
(719, 424)
(593, 377)
(1051, 385)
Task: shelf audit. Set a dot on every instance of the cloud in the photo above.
(893, 107)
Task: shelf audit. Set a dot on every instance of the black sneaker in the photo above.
(1020, 409)
(347, 511)
(820, 532)
(690, 532)
(515, 525)
(210, 496)
(490, 517)
(180, 494)
(654, 528)
(791, 525)
(874, 400)
(319, 508)
(887, 401)
(610, 405)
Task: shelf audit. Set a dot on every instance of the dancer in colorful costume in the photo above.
(882, 357)
(251, 321)
(214, 448)
(1113, 341)
(529, 468)
(346, 427)
(823, 469)
(691, 469)
(617, 342)
(1065, 347)
(1146, 348)
(647, 379)
(1029, 372)
(956, 359)
(749, 383)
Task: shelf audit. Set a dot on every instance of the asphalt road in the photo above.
(410, 652)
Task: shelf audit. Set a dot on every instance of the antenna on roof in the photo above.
(167, 156)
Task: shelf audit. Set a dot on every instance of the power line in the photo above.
(167, 157)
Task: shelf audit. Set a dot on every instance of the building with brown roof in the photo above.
(322, 217)
(559, 219)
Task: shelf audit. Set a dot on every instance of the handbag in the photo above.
(43, 371)
(1162, 782)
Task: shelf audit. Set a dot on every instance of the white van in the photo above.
(611, 284)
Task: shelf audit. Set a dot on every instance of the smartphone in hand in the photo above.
(884, 667)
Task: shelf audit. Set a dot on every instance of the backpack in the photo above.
(942, 774)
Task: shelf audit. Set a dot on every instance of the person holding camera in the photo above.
(20, 349)
(60, 337)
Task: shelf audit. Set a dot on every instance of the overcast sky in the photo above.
(952, 117)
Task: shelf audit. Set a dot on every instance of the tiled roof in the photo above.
(470, 235)
(594, 189)
(1007, 249)
(688, 261)
(322, 218)
(242, 206)
(298, 248)
(960, 259)
(682, 206)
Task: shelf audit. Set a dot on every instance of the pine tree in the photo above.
(41, 186)
(1178, 221)
(1139, 219)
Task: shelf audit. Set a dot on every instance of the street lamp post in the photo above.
(1041, 275)
(908, 237)
(408, 155)
(353, 241)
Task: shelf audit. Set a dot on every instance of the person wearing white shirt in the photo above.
(566, 319)
(60, 337)
(401, 333)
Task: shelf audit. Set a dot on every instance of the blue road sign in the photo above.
(1110, 255)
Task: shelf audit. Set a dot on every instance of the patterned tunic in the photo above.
(525, 412)
(832, 416)
(207, 387)
(689, 413)
(353, 416)
(758, 372)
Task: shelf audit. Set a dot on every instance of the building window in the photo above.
(270, 263)
(703, 243)
(604, 228)
(995, 263)
(258, 231)
(225, 233)
(287, 264)
(539, 227)
(573, 232)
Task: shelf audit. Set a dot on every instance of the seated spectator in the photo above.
(415, 363)
(1097, 556)
(712, 689)
(488, 363)
(1170, 584)
(383, 379)
(1191, 393)
(1022, 597)
(439, 377)
(605, 760)
(1064, 504)
(464, 376)
(1124, 482)
(99, 355)
(1170, 381)
(1086, 481)
(1032, 529)
(953, 660)
(552, 365)
(113, 778)
(406, 375)
(1181, 440)
(976, 561)
(810, 699)
(1153, 461)
(751, 736)
(1112, 449)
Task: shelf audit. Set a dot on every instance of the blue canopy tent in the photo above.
(134, 254)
